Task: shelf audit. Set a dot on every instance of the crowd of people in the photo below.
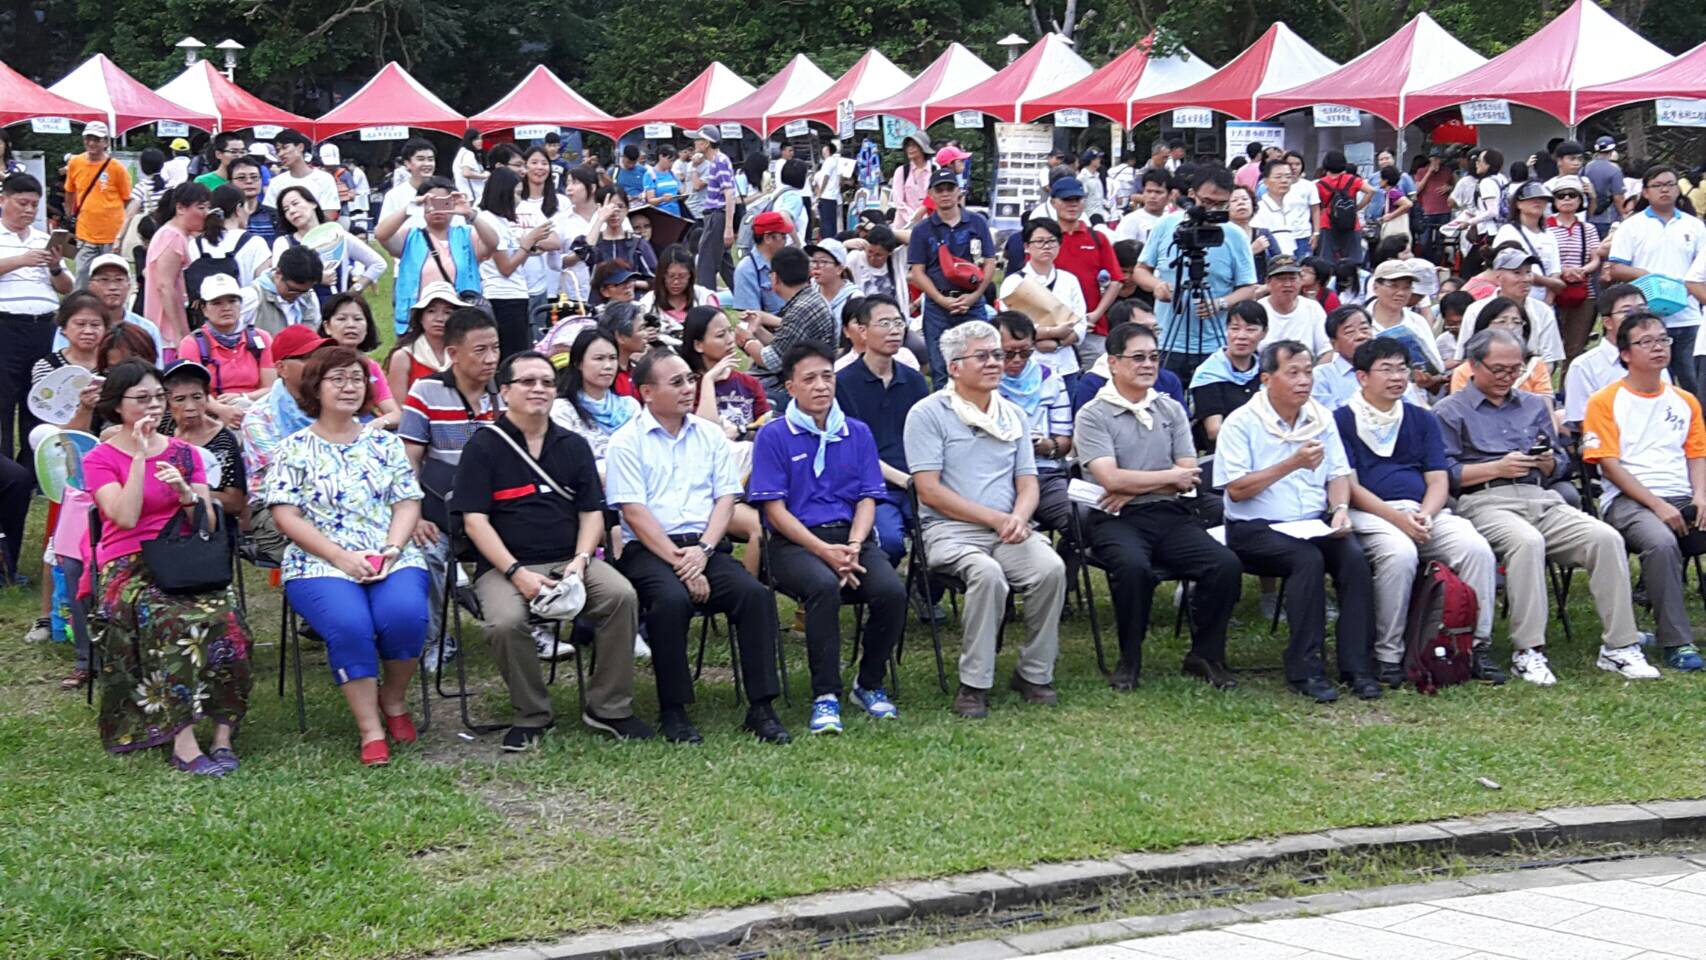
(1182, 370)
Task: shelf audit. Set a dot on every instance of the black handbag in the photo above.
(190, 558)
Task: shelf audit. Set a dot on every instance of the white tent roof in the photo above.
(954, 70)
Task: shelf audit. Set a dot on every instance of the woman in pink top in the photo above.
(911, 181)
(347, 321)
(182, 211)
(167, 660)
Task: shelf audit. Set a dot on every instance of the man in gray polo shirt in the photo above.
(1136, 443)
(977, 488)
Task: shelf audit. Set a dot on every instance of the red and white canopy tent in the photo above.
(542, 98)
(205, 90)
(873, 78)
(23, 99)
(1133, 75)
(1582, 47)
(714, 88)
(799, 83)
(957, 69)
(1380, 80)
(1049, 65)
(1278, 59)
(391, 99)
(122, 99)
(1683, 77)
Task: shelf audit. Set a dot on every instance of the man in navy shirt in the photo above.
(950, 301)
(1398, 506)
(817, 474)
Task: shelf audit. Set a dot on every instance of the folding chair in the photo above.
(765, 568)
(1088, 559)
(919, 574)
(705, 616)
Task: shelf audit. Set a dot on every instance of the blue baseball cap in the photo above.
(1066, 188)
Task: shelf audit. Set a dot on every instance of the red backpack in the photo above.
(1440, 629)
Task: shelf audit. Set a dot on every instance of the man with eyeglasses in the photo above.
(1398, 507)
(1513, 270)
(525, 512)
(225, 148)
(1664, 240)
(1601, 365)
(977, 490)
(861, 331)
(672, 476)
(1501, 450)
(1336, 380)
(1136, 444)
(1041, 395)
(1648, 440)
(246, 177)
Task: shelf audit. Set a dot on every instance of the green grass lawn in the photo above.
(305, 853)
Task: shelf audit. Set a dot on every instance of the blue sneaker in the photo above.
(1685, 657)
(876, 703)
(826, 714)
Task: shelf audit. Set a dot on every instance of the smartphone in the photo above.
(376, 561)
(1541, 447)
(60, 243)
(440, 204)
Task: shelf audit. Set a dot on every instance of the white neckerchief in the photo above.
(1378, 429)
(1002, 420)
(1311, 419)
(1143, 409)
(422, 351)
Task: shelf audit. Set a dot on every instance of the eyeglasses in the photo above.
(825, 264)
(888, 323)
(341, 381)
(1662, 185)
(1152, 356)
(1022, 353)
(1650, 343)
(1390, 369)
(528, 383)
(1503, 369)
(146, 399)
(678, 381)
(984, 356)
(1044, 242)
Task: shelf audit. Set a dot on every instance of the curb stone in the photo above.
(969, 893)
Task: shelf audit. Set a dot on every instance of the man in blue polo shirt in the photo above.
(1398, 506)
(817, 474)
(752, 286)
(950, 300)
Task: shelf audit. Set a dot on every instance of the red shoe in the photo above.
(400, 727)
(375, 753)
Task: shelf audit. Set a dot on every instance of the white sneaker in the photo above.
(1628, 662)
(39, 633)
(1531, 665)
(549, 647)
(431, 662)
(641, 650)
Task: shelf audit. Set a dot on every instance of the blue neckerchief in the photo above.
(287, 413)
(1026, 389)
(833, 426)
(1218, 368)
(611, 412)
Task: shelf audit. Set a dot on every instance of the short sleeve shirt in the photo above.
(1103, 431)
(881, 407)
(1306, 323)
(102, 212)
(719, 176)
(1666, 247)
(1230, 266)
(782, 469)
(538, 522)
(346, 490)
(678, 479)
(969, 239)
(318, 182)
(972, 463)
(1651, 436)
(1245, 446)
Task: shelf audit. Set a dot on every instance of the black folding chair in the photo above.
(1089, 560)
(921, 579)
(847, 600)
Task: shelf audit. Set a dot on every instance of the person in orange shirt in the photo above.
(97, 186)
(1647, 438)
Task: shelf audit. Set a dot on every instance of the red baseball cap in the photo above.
(771, 221)
(296, 341)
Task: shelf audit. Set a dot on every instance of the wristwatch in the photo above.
(510, 572)
(708, 548)
(582, 556)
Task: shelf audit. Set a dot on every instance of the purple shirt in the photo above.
(782, 470)
(718, 178)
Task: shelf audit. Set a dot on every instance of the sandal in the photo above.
(74, 679)
(225, 757)
(201, 766)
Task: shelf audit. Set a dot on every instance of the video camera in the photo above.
(1200, 231)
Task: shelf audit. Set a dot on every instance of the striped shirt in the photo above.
(1573, 241)
(26, 291)
(437, 416)
(719, 177)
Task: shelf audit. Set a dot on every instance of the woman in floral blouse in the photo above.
(348, 500)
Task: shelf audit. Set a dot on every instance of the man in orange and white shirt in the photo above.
(1648, 440)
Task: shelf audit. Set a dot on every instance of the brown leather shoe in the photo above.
(1042, 693)
(971, 703)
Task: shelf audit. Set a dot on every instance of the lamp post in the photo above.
(230, 47)
(192, 49)
(1012, 42)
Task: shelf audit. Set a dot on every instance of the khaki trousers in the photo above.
(1393, 556)
(977, 556)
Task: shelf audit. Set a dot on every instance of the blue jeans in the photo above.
(937, 322)
(364, 623)
(1682, 357)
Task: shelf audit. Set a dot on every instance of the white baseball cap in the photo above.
(219, 285)
(109, 260)
(96, 128)
(329, 154)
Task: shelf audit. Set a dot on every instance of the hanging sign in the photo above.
(1193, 118)
(1495, 112)
(968, 119)
(395, 131)
(896, 130)
(1240, 134)
(663, 131)
(537, 131)
(868, 123)
(50, 125)
(731, 130)
(797, 128)
(172, 128)
(266, 131)
(1336, 115)
(1072, 118)
(844, 119)
(1681, 112)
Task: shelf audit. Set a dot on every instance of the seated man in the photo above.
(1229, 377)
(1398, 507)
(1501, 450)
(1280, 460)
(1512, 270)
(977, 486)
(804, 317)
(673, 479)
(1040, 394)
(857, 327)
(1336, 380)
(1647, 438)
(1601, 365)
(815, 472)
(525, 529)
(1137, 445)
(284, 296)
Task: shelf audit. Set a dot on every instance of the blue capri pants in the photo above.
(364, 623)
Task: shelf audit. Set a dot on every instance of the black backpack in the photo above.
(208, 264)
(1341, 208)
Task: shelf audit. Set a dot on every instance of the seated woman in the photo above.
(676, 293)
(82, 318)
(587, 403)
(1507, 314)
(632, 332)
(612, 282)
(348, 501)
(238, 357)
(187, 386)
(728, 396)
(419, 352)
(347, 321)
(167, 661)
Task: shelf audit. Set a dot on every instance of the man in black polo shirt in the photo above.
(523, 528)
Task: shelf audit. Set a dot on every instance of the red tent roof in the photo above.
(391, 98)
(798, 84)
(542, 98)
(1683, 77)
(1379, 81)
(23, 99)
(871, 79)
(1130, 76)
(124, 101)
(204, 89)
(1049, 65)
(1582, 47)
(1278, 59)
(955, 70)
(713, 89)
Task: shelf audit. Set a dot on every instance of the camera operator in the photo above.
(1207, 266)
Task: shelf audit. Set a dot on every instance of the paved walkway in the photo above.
(1650, 918)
